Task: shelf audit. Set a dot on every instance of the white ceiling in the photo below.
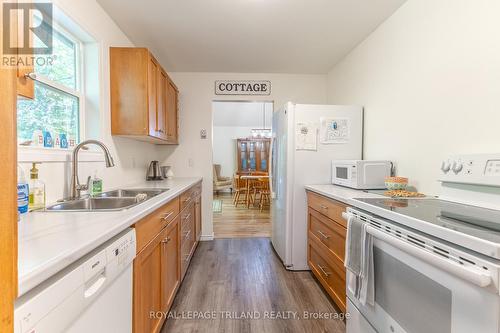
(243, 114)
(249, 36)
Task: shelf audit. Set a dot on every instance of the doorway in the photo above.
(242, 133)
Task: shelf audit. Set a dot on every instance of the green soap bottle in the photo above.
(36, 198)
(95, 185)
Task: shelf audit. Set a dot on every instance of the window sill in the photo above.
(27, 154)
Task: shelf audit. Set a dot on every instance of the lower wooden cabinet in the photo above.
(147, 287)
(188, 240)
(326, 245)
(167, 243)
(197, 218)
(170, 265)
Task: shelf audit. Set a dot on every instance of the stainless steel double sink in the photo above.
(107, 201)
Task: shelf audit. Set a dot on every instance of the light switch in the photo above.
(203, 134)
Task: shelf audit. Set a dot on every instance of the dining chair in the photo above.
(240, 187)
(265, 194)
(257, 185)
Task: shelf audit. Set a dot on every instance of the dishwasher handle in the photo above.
(96, 286)
(470, 274)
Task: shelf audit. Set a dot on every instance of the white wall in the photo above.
(429, 78)
(251, 114)
(193, 156)
(131, 157)
(224, 143)
(235, 120)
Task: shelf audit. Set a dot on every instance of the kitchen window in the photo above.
(57, 106)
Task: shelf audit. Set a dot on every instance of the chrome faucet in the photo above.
(76, 187)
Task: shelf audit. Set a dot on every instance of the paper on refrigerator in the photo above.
(306, 136)
(334, 130)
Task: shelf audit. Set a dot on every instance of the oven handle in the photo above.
(481, 279)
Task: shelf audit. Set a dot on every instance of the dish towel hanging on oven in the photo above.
(359, 261)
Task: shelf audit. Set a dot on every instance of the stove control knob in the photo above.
(457, 167)
(445, 166)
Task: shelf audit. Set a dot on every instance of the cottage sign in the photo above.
(246, 87)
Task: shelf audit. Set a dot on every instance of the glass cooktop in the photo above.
(475, 221)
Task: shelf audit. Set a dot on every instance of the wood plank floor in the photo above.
(240, 222)
(245, 275)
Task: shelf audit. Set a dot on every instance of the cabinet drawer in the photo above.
(328, 232)
(147, 228)
(186, 198)
(187, 217)
(196, 190)
(332, 279)
(328, 207)
(187, 246)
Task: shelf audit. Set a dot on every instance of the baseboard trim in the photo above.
(204, 238)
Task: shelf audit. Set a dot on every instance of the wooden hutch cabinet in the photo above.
(253, 154)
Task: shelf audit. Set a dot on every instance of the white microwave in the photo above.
(361, 174)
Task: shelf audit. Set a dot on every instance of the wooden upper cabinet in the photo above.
(172, 112)
(140, 93)
(153, 69)
(161, 111)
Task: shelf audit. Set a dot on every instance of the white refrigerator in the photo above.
(325, 133)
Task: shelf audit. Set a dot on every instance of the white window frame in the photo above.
(79, 91)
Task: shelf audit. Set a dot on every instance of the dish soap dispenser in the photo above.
(22, 191)
(36, 190)
(95, 185)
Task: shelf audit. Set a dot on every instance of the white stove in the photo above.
(436, 261)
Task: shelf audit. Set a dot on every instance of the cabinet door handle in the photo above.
(322, 234)
(167, 215)
(31, 76)
(327, 274)
(166, 240)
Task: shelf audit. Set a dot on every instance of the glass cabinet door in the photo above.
(252, 155)
(243, 156)
(264, 155)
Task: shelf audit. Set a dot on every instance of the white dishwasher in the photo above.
(92, 295)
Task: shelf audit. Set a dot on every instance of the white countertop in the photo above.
(50, 241)
(341, 193)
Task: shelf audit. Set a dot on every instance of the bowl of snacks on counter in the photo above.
(396, 183)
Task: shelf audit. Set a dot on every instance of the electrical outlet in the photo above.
(203, 134)
(190, 162)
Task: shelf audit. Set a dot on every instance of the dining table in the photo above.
(248, 178)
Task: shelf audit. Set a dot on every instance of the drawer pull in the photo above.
(166, 240)
(327, 274)
(167, 215)
(324, 207)
(322, 234)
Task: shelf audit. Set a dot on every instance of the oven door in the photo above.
(415, 292)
